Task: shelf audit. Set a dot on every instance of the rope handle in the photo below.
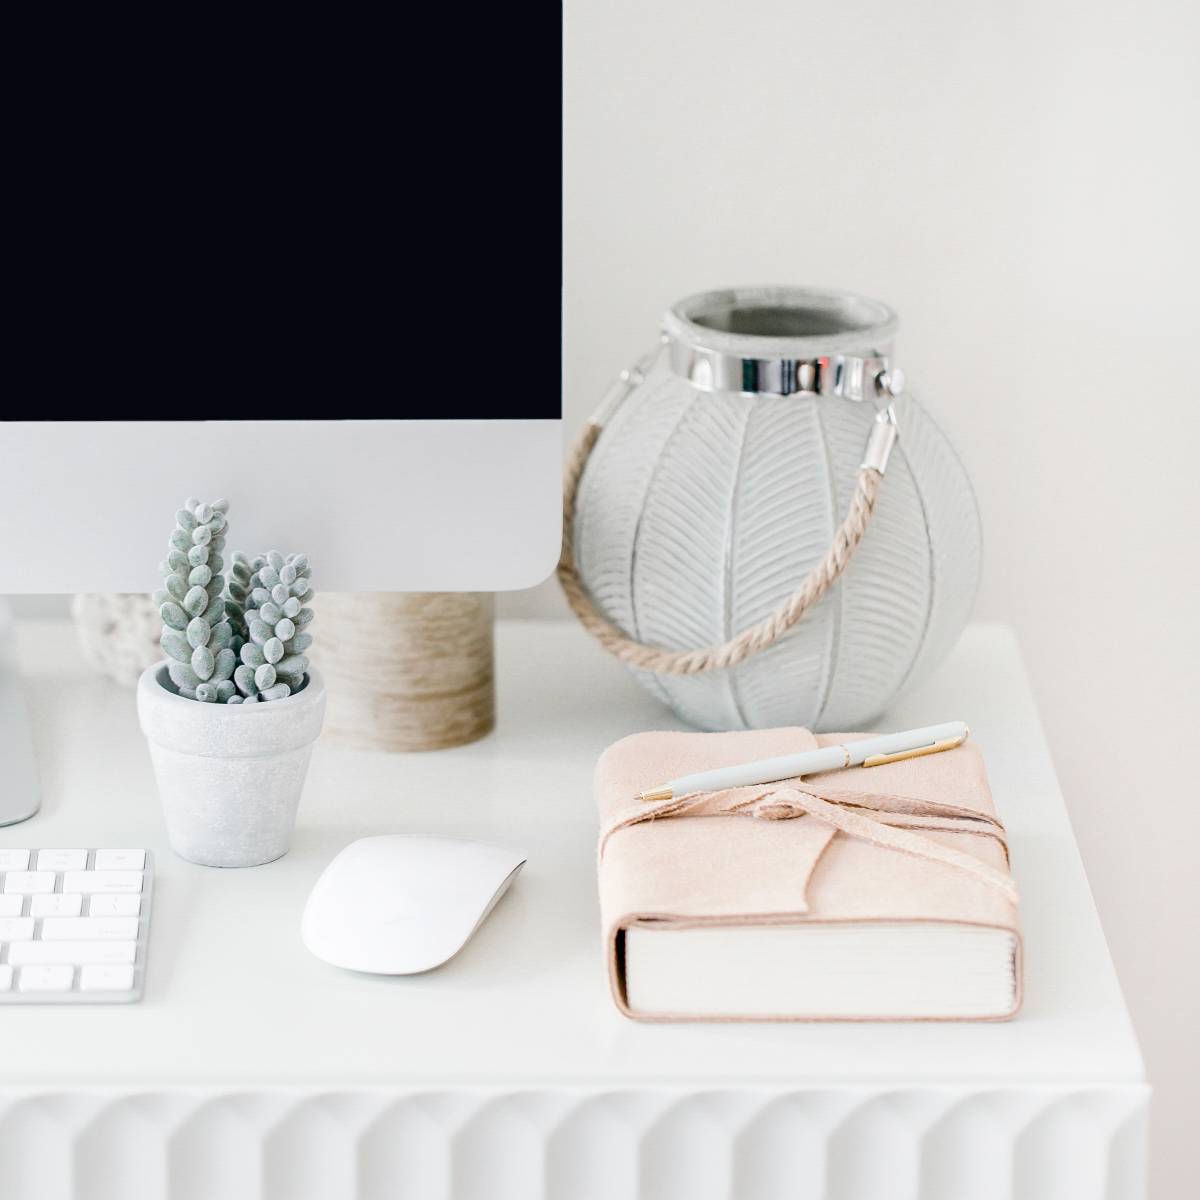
(773, 626)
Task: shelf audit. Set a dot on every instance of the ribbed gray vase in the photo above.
(229, 775)
(704, 506)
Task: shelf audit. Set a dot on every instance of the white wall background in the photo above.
(1020, 181)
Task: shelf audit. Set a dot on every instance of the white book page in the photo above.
(850, 970)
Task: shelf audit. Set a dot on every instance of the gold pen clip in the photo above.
(877, 760)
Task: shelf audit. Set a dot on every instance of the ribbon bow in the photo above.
(880, 818)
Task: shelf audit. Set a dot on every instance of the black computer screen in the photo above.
(375, 233)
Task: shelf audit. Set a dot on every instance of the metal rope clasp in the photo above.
(882, 438)
(629, 379)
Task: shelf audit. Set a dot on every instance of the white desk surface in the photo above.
(233, 998)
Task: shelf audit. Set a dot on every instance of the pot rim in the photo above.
(794, 322)
(314, 687)
(189, 727)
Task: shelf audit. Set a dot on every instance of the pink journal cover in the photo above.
(911, 841)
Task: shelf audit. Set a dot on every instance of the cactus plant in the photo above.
(270, 596)
(196, 637)
(238, 639)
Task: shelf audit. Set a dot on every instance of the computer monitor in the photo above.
(383, 505)
(335, 304)
(377, 505)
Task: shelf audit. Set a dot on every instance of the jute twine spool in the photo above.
(406, 670)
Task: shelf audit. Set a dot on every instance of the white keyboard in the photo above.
(73, 925)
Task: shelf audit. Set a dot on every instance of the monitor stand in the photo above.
(19, 795)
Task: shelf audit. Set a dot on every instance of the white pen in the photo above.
(867, 752)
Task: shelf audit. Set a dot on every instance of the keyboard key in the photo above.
(30, 882)
(22, 954)
(106, 979)
(89, 882)
(55, 905)
(80, 935)
(15, 929)
(87, 929)
(114, 906)
(46, 979)
(119, 860)
(61, 860)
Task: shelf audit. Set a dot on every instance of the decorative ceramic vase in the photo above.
(407, 670)
(723, 466)
(229, 775)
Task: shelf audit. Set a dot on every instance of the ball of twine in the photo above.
(406, 671)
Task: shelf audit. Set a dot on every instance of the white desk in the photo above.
(251, 1070)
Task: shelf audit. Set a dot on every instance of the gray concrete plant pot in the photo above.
(229, 775)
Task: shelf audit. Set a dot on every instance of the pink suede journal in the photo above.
(910, 841)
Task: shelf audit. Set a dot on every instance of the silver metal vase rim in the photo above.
(780, 322)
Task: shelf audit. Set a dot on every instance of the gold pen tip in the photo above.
(662, 793)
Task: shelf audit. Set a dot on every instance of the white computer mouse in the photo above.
(397, 905)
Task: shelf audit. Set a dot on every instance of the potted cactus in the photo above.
(233, 711)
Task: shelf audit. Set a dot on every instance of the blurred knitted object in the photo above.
(118, 633)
